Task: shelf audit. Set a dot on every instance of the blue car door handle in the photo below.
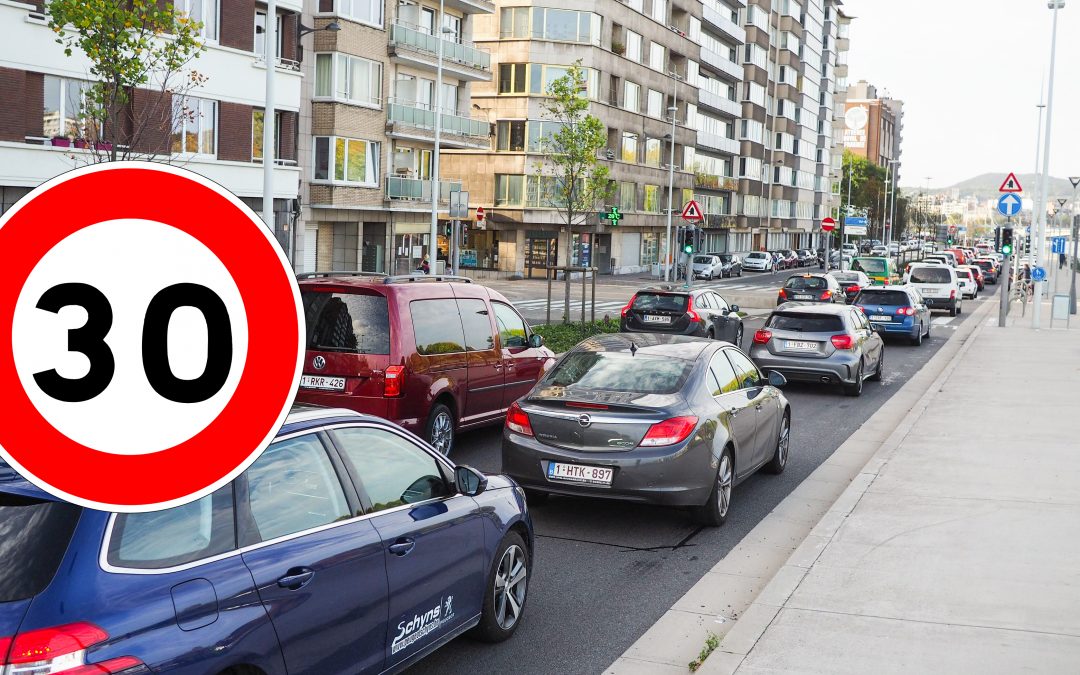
(402, 546)
(295, 578)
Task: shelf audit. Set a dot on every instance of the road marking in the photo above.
(942, 320)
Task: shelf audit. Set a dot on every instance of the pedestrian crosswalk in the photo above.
(557, 304)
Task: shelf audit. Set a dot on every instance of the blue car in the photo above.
(897, 310)
(349, 546)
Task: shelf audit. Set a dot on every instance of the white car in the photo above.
(928, 248)
(894, 248)
(939, 286)
(879, 251)
(849, 249)
(969, 288)
(707, 267)
(757, 261)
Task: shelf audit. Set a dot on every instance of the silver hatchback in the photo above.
(831, 344)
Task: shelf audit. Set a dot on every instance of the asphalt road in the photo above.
(605, 571)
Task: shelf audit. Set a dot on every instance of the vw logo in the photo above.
(584, 420)
(319, 362)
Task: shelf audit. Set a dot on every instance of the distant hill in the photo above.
(985, 186)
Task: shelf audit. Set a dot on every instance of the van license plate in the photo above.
(579, 473)
(322, 382)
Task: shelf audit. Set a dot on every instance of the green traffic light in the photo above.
(1006, 249)
(688, 249)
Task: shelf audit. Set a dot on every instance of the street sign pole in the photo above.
(690, 265)
(1003, 309)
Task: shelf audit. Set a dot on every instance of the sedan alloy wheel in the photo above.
(511, 580)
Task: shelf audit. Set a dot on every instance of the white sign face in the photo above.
(855, 229)
(857, 117)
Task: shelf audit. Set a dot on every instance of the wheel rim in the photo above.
(442, 433)
(511, 580)
(782, 445)
(723, 485)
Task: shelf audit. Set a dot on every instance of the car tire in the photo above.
(917, 338)
(954, 310)
(740, 272)
(779, 459)
(959, 308)
(856, 388)
(715, 511)
(439, 430)
(712, 334)
(535, 498)
(511, 563)
(929, 326)
(876, 377)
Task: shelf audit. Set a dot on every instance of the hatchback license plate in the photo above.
(579, 473)
(322, 382)
(804, 297)
(879, 317)
(657, 318)
(802, 346)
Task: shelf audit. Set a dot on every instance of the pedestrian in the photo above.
(425, 266)
(1061, 260)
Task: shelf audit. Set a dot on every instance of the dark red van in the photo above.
(433, 354)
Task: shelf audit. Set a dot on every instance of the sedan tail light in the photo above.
(906, 311)
(626, 310)
(783, 294)
(61, 649)
(669, 432)
(852, 289)
(393, 381)
(517, 420)
(762, 336)
(843, 341)
(825, 295)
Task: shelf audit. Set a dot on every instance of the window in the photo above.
(454, 24)
(541, 134)
(513, 332)
(348, 78)
(260, 34)
(659, 11)
(549, 24)
(346, 322)
(629, 147)
(509, 190)
(510, 136)
(718, 302)
(655, 105)
(631, 96)
(652, 152)
(346, 160)
(392, 470)
(31, 529)
(656, 56)
(203, 11)
(628, 196)
(633, 46)
(194, 126)
(650, 248)
(365, 11)
(437, 327)
(292, 487)
(512, 78)
(746, 370)
(257, 134)
(183, 534)
(652, 199)
(636, 5)
(477, 325)
(65, 104)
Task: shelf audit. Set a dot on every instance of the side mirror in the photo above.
(536, 341)
(735, 308)
(470, 482)
(776, 379)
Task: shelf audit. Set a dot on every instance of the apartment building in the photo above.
(874, 123)
(367, 140)
(839, 25)
(215, 130)
(638, 57)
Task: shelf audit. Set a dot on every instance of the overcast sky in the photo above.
(969, 73)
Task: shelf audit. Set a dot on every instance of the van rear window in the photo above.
(34, 534)
(347, 322)
(931, 275)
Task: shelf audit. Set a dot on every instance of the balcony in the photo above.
(417, 48)
(718, 142)
(723, 23)
(719, 103)
(707, 181)
(418, 189)
(408, 119)
(721, 64)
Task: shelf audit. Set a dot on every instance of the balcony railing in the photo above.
(718, 102)
(406, 35)
(423, 116)
(419, 189)
(712, 14)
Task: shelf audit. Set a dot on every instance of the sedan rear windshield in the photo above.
(34, 534)
(964, 274)
(869, 265)
(846, 278)
(806, 284)
(891, 298)
(806, 323)
(347, 322)
(618, 371)
(662, 302)
(931, 275)
(725, 257)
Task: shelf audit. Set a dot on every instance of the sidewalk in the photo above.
(957, 547)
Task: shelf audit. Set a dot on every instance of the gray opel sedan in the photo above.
(662, 419)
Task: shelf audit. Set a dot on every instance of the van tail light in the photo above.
(826, 295)
(694, 316)
(669, 432)
(517, 420)
(906, 311)
(762, 336)
(842, 341)
(393, 381)
(626, 310)
(852, 289)
(952, 294)
(61, 649)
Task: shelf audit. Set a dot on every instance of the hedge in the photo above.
(560, 337)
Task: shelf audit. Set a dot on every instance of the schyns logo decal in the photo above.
(415, 629)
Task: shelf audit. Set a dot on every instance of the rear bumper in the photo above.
(694, 330)
(908, 326)
(836, 369)
(940, 303)
(387, 408)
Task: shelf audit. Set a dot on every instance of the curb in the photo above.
(742, 638)
(731, 601)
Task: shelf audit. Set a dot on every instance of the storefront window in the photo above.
(480, 250)
(650, 248)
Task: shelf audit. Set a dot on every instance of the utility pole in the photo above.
(892, 210)
(1036, 311)
(1075, 180)
(674, 110)
(433, 232)
(847, 211)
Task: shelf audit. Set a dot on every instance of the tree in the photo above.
(571, 178)
(867, 187)
(126, 43)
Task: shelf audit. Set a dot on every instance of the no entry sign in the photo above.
(155, 344)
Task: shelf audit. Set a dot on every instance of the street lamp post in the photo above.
(892, 210)
(1075, 180)
(433, 233)
(674, 110)
(1036, 313)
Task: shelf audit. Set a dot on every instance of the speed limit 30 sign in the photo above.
(155, 344)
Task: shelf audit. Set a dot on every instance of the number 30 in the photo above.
(89, 340)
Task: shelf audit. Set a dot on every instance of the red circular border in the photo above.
(266, 385)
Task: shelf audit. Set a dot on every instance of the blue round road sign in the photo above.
(1009, 204)
(1038, 274)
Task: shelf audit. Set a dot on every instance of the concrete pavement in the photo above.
(955, 548)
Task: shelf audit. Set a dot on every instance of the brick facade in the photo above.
(149, 125)
(13, 117)
(290, 123)
(238, 24)
(234, 132)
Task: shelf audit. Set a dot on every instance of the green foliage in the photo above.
(560, 338)
(711, 643)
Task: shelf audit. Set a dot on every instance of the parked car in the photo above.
(433, 354)
(896, 309)
(789, 258)
(852, 282)
(730, 265)
(881, 270)
(894, 248)
(758, 261)
(879, 251)
(670, 309)
(806, 257)
(810, 288)
(349, 545)
(706, 267)
(938, 285)
(989, 269)
(831, 344)
(976, 273)
(656, 418)
(969, 288)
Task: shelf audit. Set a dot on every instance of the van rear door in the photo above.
(348, 346)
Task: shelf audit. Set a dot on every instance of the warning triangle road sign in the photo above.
(692, 211)
(1011, 184)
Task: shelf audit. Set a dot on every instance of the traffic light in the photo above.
(448, 230)
(688, 241)
(997, 238)
(464, 234)
(1006, 241)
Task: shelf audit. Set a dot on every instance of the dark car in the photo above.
(348, 546)
(810, 288)
(831, 344)
(433, 354)
(671, 309)
(806, 257)
(990, 271)
(896, 310)
(731, 265)
(660, 419)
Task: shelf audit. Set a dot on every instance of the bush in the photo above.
(560, 337)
